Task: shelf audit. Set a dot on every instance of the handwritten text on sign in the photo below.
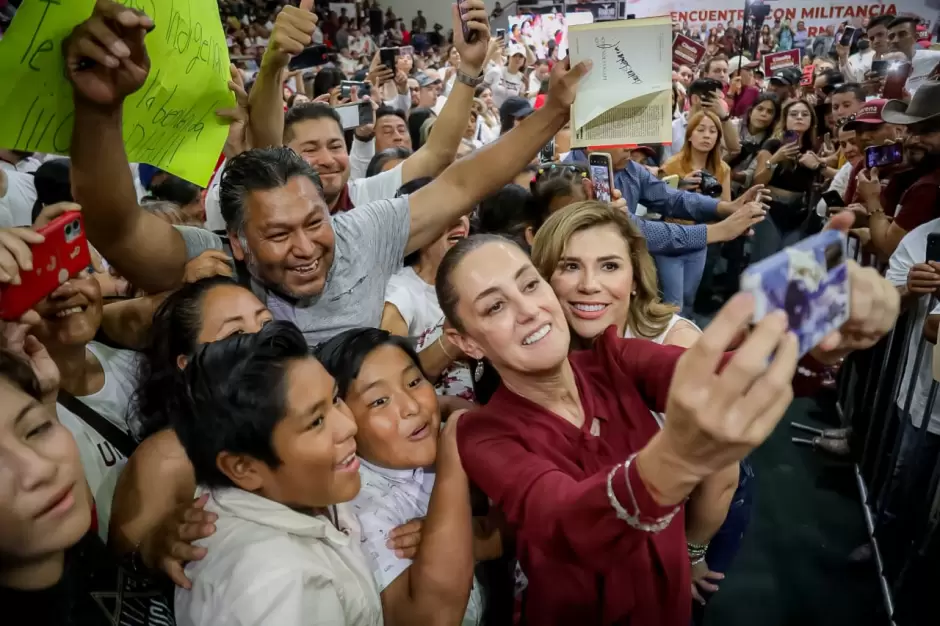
(170, 122)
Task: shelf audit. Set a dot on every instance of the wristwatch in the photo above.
(468, 80)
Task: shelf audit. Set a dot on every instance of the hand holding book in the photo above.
(563, 84)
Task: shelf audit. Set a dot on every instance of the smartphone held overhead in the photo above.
(62, 255)
(313, 56)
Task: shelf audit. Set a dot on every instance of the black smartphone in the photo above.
(313, 56)
(500, 33)
(366, 113)
(895, 79)
(880, 156)
(602, 177)
(389, 58)
(469, 35)
(933, 248)
(791, 136)
(847, 36)
(880, 67)
(547, 154)
(833, 199)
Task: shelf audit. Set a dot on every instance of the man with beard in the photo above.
(919, 185)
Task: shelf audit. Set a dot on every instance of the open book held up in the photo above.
(627, 97)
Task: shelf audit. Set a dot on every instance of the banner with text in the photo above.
(816, 15)
(169, 123)
(779, 60)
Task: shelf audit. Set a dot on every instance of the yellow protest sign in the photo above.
(169, 123)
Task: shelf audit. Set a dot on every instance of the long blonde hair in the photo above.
(648, 315)
(681, 163)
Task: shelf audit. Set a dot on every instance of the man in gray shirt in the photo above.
(325, 273)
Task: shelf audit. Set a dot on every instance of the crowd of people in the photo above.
(413, 371)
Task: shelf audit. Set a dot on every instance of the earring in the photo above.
(478, 372)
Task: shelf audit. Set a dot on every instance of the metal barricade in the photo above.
(903, 522)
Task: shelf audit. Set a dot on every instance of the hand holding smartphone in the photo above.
(882, 156)
(61, 254)
(602, 178)
(809, 282)
(470, 35)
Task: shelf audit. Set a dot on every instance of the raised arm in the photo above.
(436, 587)
(441, 147)
(107, 61)
(465, 183)
(293, 31)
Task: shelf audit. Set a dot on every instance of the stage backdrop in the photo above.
(814, 14)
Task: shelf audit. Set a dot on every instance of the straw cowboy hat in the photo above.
(925, 105)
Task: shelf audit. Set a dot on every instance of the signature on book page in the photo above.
(620, 60)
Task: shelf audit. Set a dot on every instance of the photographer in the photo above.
(705, 94)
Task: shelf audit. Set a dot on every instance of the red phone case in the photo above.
(62, 255)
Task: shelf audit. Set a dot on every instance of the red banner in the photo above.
(779, 60)
(686, 51)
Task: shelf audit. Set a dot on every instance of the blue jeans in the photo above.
(679, 277)
(727, 541)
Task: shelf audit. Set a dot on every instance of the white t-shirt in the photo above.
(416, 301)
(390, 498)
(923, 63)
(504, 84)
(660, 338)
(913, 250)
(101, 461)
(20, 196)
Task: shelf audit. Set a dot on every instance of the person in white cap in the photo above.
(508, 80)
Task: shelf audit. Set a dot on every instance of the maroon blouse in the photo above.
(584, 565)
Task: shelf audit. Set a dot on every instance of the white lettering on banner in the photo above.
(816, 15)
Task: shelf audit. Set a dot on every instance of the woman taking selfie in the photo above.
(597, 263)
(754, 129)
(567, 447)
(787, 165)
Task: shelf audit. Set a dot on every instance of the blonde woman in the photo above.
(597, 263)
(701, 152)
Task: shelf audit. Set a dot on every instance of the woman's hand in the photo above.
(15, 337)
(52, 211)
(786, 152)
(691, 182)
(209, 263)
(237, 117)
(170, 547)
(714, 419)
(810, 161)
(703, 579)
(15, 253)
(405, 539)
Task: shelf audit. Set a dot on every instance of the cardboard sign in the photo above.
(687, 51)
(169, 122)
(778, 60)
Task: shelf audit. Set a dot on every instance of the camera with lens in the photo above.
(709, 186)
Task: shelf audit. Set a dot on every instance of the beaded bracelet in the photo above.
(654, 525)
(697, 552)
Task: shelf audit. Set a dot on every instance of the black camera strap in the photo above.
(124, 443)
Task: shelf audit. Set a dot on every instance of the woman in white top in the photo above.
(507, 80)
(411, 310)
(273, 445)
(408, 472)
(97, 375)
(597, 262)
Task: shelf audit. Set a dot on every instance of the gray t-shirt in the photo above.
(369, 248)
